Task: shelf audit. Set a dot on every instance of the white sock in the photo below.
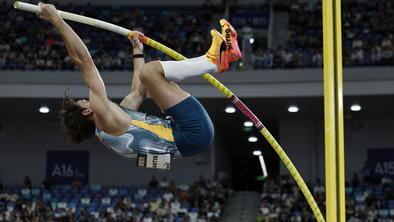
(178, 70)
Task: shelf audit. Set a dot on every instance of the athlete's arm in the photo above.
(81, 58)
(138, 92)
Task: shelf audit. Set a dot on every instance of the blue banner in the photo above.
(256, 20)
(64, 166)
(381, 162)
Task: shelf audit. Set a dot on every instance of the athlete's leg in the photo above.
(193, 130)
(157, 76)
(165, 93)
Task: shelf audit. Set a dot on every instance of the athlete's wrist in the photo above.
(57, 22)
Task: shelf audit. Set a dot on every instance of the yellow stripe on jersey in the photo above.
(158, 129)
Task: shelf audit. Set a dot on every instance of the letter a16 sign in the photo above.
(381, 162)
(64, 166)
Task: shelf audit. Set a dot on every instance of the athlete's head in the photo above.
(76, 119)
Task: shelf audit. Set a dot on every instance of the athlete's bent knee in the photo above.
(151, 71)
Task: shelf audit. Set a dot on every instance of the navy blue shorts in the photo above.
(192, 128)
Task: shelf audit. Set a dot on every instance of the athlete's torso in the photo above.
(146, 134)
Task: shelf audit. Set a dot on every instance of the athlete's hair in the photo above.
(76, 126)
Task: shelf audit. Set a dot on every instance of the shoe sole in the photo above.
(231, 40)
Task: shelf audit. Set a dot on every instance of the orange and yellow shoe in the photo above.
(217, 53)
(230, 35)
